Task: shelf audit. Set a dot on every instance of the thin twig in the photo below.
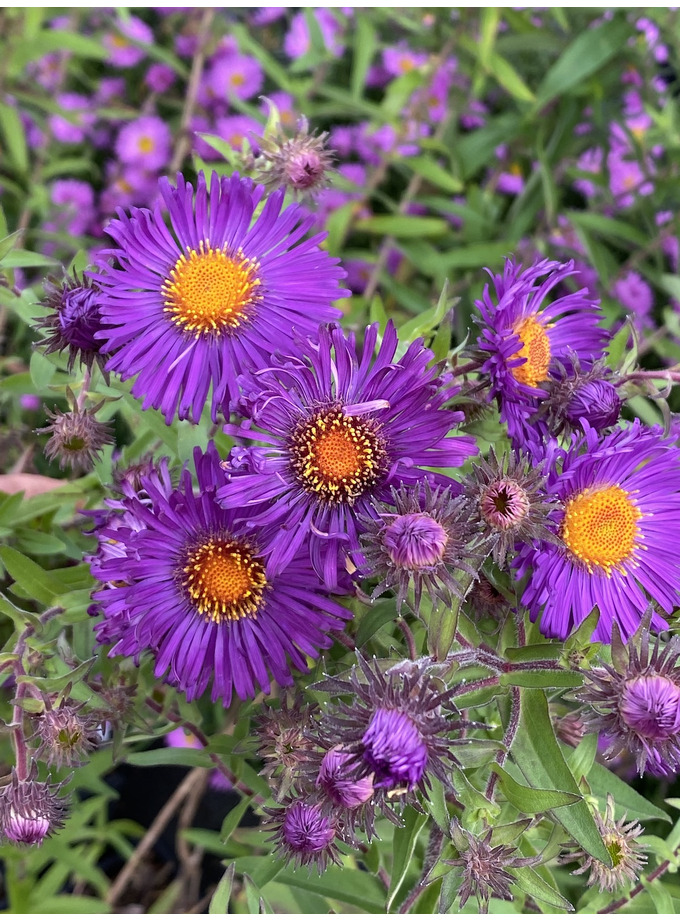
(153, 833)
(183, 144)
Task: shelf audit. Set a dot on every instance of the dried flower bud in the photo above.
(76, 438)
(283, 743)
(66, 733)
(74, 321)
(300, 164)
(30, 810)
(485, 867)
(623, 847)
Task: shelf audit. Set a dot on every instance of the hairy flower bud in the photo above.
(30, 810)
(74, 321)
(77, 438)
(303, 833)
(335, 779)
(300, 164)
(596, 401)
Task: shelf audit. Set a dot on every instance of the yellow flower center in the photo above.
(336, 456)
(210, 291)
(600, 527)
(536, 349)
(237, 79)
(146, 144)
(224, 579)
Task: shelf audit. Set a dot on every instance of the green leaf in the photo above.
(365, 45)
(42, 371)
(404, 843)
(73, 904)
(584, 56)
(360, 891)
(660, 896)
(626, 799)
(529, 800)
(402, 226)
(435, 173)
(582, 758)
(539, 652)
(529, 881)
(15, 138)
(537, 754)
(28, 575)
(233, 818)
(541, 678)
(22, 258)
(7, 244)
(509, 79)
(220, 900)
(371, 621)
(608, 227)
(184, 757)
(436, 805)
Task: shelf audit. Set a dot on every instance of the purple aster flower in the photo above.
(522, 338)
(343, 426)
(75, 201)
(160, 77)
(119, 44)
(400, 59)
(182, 738)
(303, 834)
(266, 15)
(217, 297)
(31, 810)
(201, 597)
(396, 725)
(627, 180)
(110, 89)
(590, 161)
(636, 296)
(620, 500)
(237, 129)
(298, 42)
(74, 320)
(233, 75)
(72, 128)
(145, 142)
(422, 538)
(635, 702)
(301, 164)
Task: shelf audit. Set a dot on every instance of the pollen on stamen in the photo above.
(224, 580)
(600, 528)
(337, 457)
(210, 291)
(535, 348)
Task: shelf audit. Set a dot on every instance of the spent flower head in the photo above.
(31, 810)
(284, 744)
(66, 733)
(77, 438)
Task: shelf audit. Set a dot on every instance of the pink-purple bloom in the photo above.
(145, 142)
(214, 297)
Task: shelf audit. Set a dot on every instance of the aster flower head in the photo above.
(194, 588)
(620, 499)
(145, 142)
(620, 839)
(397, 726)
(635, 701)
(420, 539)
(77, 438)
(507, 497)
(74, 320)
(31, 810)
(485, 868)
(300, 164)
(195, 305)
(522, 336)
(66, 733)
(575, 394)
(343, 426)
(303, 834)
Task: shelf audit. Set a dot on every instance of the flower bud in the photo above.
(30, 810)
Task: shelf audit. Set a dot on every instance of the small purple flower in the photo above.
(233, 75)
(298, 42)
(75, 201)
(627, 180)
(337, 783)
(145, 143)
(636, 296)
(119, 44)
(303, 834)
(342, 426)
(159, 78)
(237, 129)
(72, 128)
(596, 401)
(400, 59)
(215, 297)
(394, 750)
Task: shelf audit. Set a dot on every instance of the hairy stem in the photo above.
(508, 738)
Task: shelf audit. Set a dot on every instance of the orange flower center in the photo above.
(336, 456)
(536, 349)
(210, 291)
(224, 579)
(600, 527)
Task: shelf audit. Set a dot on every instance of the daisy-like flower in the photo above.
(620, 500)
(422, 538)
(217, 294)
(522, 337)
(343, 426)
(396, 726)
(194, 588)
(620, 838)
(508, 499)
(635, 702)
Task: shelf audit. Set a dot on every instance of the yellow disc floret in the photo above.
(600, 527)
(224, 579)
(536, 349)
(337, 456)
(210, 291)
